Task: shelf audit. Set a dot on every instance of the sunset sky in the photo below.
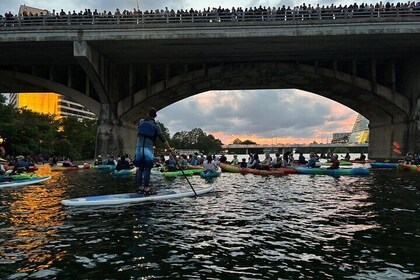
(264, 116)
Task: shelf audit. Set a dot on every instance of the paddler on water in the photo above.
(147, 132)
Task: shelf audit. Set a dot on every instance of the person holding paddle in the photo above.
(147, 132)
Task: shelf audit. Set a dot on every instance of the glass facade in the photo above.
(360, 132)
(50, 103)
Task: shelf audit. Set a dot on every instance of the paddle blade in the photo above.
(397, 151)
(396, 145)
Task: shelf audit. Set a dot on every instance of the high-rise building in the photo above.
(360, 132)
(50, 103)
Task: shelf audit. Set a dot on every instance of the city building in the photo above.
(50, 103)
(360, 132)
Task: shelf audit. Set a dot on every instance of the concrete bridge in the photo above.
(117, 70)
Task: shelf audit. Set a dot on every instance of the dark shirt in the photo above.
(122, 164)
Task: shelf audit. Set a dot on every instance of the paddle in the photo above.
(180, 168)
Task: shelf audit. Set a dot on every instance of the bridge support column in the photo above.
(114, 137)
(403, 129)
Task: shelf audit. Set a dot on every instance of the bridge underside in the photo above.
(384, 90)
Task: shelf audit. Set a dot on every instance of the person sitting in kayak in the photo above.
(277, 161)
(209, 164)
(255, 163)
(266, 163)
(408, 158)
(347, 157)
(235, 160)
(335, 162)
(362, 157)
(312, 161)
(68, 163)
(123, 164)
(416, 159)
(170, 164)
(302, 159)
(98, 160)
(243, 163)
(22, 165)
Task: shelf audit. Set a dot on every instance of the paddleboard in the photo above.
(18, 183)
(125, 198)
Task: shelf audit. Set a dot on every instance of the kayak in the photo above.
(229, 168)
(407, 167)
(342, 162)
(65, 168)
(124, 172)
(188, 172)
(274, 171)
(104, 167)
(383, 165)
(326, 171)
(125, 198)
(362, 161)
(18, 183)
(23, 176)
(211, 173)
(243, 170)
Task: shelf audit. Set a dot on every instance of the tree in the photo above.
(237, 141)
(248, 142)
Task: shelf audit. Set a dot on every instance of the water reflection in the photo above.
(31, 224)
(251, 227)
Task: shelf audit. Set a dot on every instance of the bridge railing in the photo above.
(210, 17)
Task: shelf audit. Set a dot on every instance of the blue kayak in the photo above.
(211, 173)
(124, 172)
(104, 167)
(383, 164)
(333, 172)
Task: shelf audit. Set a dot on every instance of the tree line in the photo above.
(25, 132)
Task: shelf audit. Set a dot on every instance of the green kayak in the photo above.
(188, 172)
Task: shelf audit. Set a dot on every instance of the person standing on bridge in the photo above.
(147, 132)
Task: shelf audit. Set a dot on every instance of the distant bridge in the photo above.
(295, 147)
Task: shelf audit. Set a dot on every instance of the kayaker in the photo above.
(235, 160)
(302, 159)
(147, 132)
(98, 160)
(266, 163)
(416, 159)
(347, 157)
(22, 165)
(312, 160)
(243, 163)
(123, 164)
(255, 163)
(277, 161)
(170, 164)
(362, 157)
(209, 164)
(67, 163)
(335, 162)
(408, 158)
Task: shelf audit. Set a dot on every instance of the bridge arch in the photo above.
(22, 82)
(380, 103)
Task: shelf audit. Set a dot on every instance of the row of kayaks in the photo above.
(294, 170)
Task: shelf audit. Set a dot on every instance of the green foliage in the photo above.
(196, 139)
(27, 132)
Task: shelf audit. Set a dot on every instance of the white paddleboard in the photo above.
(18, 183)
(124, 198)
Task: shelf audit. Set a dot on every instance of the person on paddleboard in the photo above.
(147, 132)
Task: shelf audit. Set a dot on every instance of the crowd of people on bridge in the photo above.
(261, 13)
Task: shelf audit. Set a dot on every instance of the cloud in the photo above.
(264, 114)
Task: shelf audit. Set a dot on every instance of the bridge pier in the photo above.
(113, 136)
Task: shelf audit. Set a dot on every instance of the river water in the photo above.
(250, 227)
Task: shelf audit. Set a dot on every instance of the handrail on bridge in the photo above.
(210, 17)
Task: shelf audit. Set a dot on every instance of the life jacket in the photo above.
(147, 128)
